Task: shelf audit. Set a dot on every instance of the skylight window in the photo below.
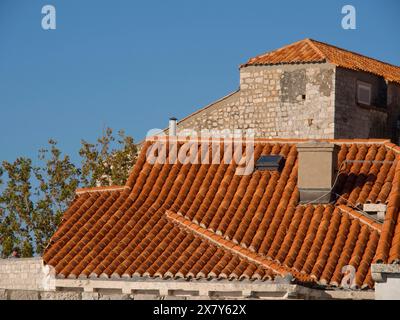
(364, 93)
(270, 162)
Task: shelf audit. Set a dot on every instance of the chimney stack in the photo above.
(317, 171)
(172, 126)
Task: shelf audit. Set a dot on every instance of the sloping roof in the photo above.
(204, 221)
(312, 51)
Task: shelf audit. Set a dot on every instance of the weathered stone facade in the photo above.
(309, 100)
(283, 292)
(223, 113)
(393, 108)
(28, 279)
(387, 281)
(21, 274)
(290, 101)
(355, 120)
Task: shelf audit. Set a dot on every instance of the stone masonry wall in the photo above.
(286, 101)
(221, 114)
(303, 294)
(27, 279)
(304, 101)
(354, 120)
(393, 101)
(387, 281)
(23, 274)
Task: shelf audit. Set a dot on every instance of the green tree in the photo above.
(57, 179)
(109, 160)
(17, 207)
(33, 197)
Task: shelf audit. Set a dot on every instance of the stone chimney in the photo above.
(317, 171)
(172, 126)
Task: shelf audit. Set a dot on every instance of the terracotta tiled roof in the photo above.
(310, 51)
(203, 221)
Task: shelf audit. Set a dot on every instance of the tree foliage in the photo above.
(16, 223)
(57, 179)
(34, 194)
(108, 161)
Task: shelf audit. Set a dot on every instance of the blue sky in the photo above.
(132, 64)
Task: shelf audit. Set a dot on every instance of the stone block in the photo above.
(60, 295)
(175, 298)
(3, 294)
(146, 297)
(199, 298)
(114, 297)
(90, 296)
(23, 295)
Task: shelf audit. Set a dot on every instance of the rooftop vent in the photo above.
(376, 210)
(172, 126)
(270, 162)
(317, 171)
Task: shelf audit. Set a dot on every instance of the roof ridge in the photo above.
(283, 48)
(311, 43)
(353, 52)
(314, 51)
(233, 248)
(392, 146)
(361, 217)
(210, 237)
(100, 189)
(261, 55)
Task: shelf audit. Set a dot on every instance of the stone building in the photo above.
(310, 220)
(309, 89)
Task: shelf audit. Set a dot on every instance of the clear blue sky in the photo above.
(133, 64)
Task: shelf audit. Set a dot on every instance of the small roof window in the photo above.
(270, 162)
(364, 93)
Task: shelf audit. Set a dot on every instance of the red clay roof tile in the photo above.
(203, 221)
(312, 51)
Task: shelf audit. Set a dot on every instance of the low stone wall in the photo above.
(9, 294)
(27, 279)
(387, 281)
(6, 294)
(302, 294)
(21, 274)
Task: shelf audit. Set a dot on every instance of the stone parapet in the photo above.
(21, 273)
